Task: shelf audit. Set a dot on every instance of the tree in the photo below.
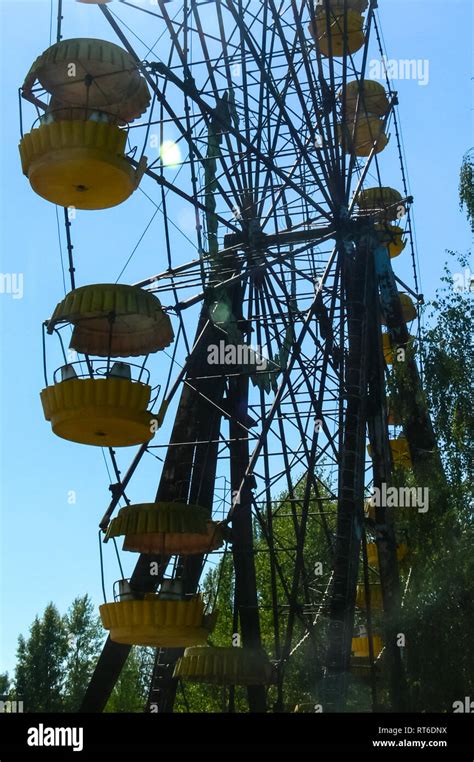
(466, 186)
(449, 370)
(439, 609)
(4, 684)
(39, 674)
(56, 661)
(85, 637)
(131, 691)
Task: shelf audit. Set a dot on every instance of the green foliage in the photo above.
(85, 636)
(218, 591)
(438, 621)
(466, 186)
(303, 668)
(4, 684)
(55, 662)
(449, 371)
(439, 610)
(39, 672)
(131, 691)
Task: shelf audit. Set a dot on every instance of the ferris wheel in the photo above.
(276, 337)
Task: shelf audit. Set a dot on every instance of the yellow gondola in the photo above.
(345, 36)
(409, 310)
(123, 112)
(360, 647)
(79, 164)
(400, 452)
(114, 320)
(105, 412)
(85, 72)
(366, 97)
(392, 237)
(158, 623)
(363, 135)
(389, 350)
(383, 203)
(369, 510)
(376, 599)
(224, 666)
(373, 553)
(166, 529)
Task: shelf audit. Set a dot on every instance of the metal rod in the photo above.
(60, 18)
(70, 248)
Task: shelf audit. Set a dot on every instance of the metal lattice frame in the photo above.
(277, 233)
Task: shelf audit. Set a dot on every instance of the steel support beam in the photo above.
(358, 283)
(384, 518)
(246, 601)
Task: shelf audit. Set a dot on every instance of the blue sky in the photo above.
(49, 547)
